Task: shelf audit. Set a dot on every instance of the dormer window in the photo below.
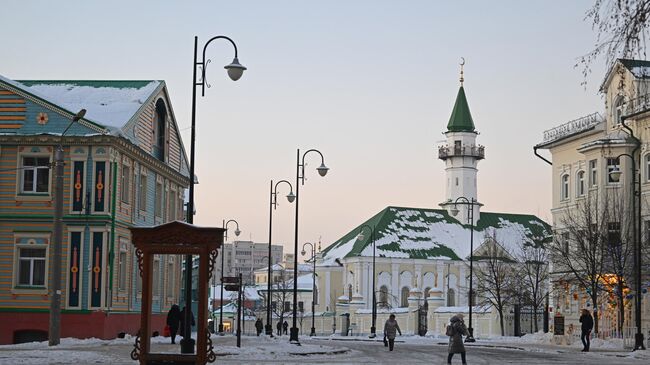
(618, 110)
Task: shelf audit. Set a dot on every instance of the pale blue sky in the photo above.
(371, 84)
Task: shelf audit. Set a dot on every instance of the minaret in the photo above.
(461, 156)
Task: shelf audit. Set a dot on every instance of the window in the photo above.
(580, 188)
(159, 130)
(143, 192)
(647, 167)
(457, 147)
(171, 276)
(122, 265)
(126, 181)
(618, 110)
(301, 307)
(383, 295)
(451, 298)
(31, 266)
(155, 282)
(159, 200)
(613, 164)
(565, 242)
(614, 233)
(36, 175)
(404, 302)
(564, 194)
(593, 173)
(172, 206)
(287, 306)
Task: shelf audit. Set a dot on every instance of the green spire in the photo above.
(461, 118)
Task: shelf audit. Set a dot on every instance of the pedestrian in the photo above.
(456, 330)
(182, 320)
(390, 331)
(173, 321)
(587, 325)
(258, 326)
(285, 327)
(279, 327)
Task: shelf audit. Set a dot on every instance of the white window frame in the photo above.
(125, 185)
(142, 191)
(564, 187)
(23, 170)
(647, 167)
(172, 212)
(155, 277)
(158, 203)
(171, 277)
(580, 183)
(123, 265)
(593, 173)
(611, 167)
(31, 244)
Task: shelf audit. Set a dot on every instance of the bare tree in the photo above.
(578, 249)
(621, 28)
(282, 292)
(533, 265)
(494, 272)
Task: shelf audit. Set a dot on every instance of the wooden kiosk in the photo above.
(175, 238)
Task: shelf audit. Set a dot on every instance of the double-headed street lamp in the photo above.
(237, 232)
(636, 223)
(373, 328)
(313, 285)
(470, 203)
(273, 205)
(300, 178)
(235, 71)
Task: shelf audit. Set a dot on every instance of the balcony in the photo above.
(445, 152)
(572, 127)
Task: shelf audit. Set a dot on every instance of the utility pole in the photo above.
(54, 331)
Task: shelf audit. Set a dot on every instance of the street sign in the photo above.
(231, 279)
(232, 287)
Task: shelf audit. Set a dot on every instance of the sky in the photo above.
(370, 84)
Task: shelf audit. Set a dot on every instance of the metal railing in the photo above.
(445, 152)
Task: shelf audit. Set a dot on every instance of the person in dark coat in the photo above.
(173, 321)
(285, 327)
(390, 331)
(259, 326)
(279, 328)
(587, 325)
(456, 330)
(182, 320)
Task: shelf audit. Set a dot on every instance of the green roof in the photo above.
(461, 118)
(419, 233)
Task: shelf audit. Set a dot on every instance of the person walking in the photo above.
(258, 326)
(173, 321)
(587, 325)
(390, 331)
(182, 320)
(279, 327)
(456, 330)
(285, 327)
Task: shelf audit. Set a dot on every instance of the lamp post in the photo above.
(313, 285)
(373, 327)
(636, 223)
(273, 204)
(54, 332)
(470, 203)
(237, 232)
(300, 178)
(235, 71)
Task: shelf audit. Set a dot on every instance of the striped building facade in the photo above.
(125, 166)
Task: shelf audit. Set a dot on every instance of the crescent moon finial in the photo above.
(462, 63)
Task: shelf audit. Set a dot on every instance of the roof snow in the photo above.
(433, 234)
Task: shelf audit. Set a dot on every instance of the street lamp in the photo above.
(373, 328)
(313, 287)
(54, 332)
(273, 205)
(237, 232)
(235, 71)
(300, 178)
(636, 224)
(470, 217)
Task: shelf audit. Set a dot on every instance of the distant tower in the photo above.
(461, 155)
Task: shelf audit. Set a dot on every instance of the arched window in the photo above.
(564, 188)
(618, 110)
(159, 130)
(647, 167)
(451, 298)
(383, 295)
(349, 291)
(404, 302)
(580, 184)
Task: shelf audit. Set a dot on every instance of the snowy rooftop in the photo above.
(434, 234)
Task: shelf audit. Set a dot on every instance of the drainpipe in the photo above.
(111, 252)
(540, 156)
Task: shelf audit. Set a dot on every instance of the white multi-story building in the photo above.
(245, 257)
